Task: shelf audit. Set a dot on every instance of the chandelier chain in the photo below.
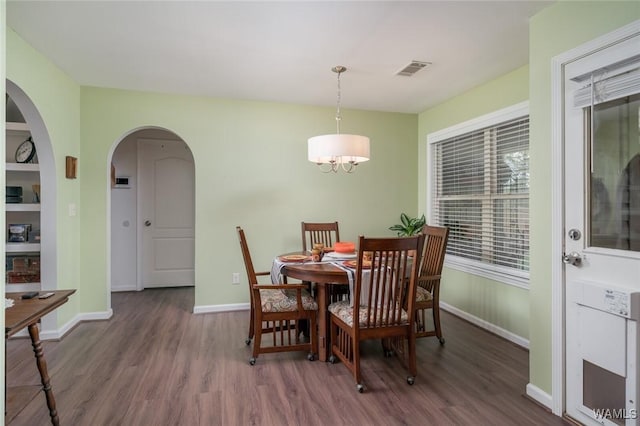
(338, 115)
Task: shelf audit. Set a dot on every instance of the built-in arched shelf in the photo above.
(41, 210)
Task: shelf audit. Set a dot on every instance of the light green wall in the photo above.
(500, 304)
(555, 30)
(251, 170)
(57, 99)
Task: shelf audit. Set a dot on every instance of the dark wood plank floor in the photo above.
(155, 363)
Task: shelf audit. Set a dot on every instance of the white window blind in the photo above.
(612, 82)
(480, 190)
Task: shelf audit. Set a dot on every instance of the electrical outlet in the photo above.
(235, 278)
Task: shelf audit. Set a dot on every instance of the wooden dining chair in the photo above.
(428, 289)
(325, 233)
(277, 311)
(382, 304)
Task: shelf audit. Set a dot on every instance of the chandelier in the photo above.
(338, 151)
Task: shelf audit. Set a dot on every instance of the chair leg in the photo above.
(421, 323)
(387, 347)
(251, 328)
(355, 344)
(346, 348)
(412, 363)
(333, 334)
(257, 341)
(420, 320)
(436, 323)
(313, 335)
(303, 327)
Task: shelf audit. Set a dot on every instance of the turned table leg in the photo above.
(44, 374)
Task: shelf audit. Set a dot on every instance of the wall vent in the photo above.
(412, 68)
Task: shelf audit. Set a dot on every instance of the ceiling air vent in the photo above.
(413, 68)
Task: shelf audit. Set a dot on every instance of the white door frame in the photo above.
(557, 203)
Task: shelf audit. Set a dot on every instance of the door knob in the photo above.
(147, 223)
(573, 258)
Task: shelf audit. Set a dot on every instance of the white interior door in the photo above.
(166, 206)
(602, 222)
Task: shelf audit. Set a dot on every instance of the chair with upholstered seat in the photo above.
(315, 233)
(428, 289)
(382, 304)
(277, 311)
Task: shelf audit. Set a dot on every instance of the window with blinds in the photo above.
(480, 191)
(614, 81)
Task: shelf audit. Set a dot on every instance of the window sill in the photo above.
(493, 272)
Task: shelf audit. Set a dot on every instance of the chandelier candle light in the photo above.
(338, 150)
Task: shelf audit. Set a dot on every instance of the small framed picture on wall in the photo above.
(71, 169)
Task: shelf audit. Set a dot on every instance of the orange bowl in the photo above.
(344, 247)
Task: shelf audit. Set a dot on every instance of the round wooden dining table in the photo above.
(323, 275)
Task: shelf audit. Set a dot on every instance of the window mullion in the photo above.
(489, 188)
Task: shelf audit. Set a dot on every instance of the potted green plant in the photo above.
(408, 226)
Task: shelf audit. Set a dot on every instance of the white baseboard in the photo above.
(540, 396)
(95, 316)
(91, 316)
(207, 309)
(131, 287)
(506, 334)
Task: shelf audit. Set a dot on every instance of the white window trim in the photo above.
(494, 272)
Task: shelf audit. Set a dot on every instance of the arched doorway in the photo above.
(151, 211)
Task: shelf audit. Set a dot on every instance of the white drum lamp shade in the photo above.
(338, 148)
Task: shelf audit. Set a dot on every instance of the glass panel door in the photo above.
(614, 205)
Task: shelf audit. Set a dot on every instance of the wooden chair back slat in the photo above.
(314, 233)
(389, 287)
(435, 245)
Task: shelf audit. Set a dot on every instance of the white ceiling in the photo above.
(282, 51)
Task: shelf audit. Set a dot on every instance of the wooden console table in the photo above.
(27, 313)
